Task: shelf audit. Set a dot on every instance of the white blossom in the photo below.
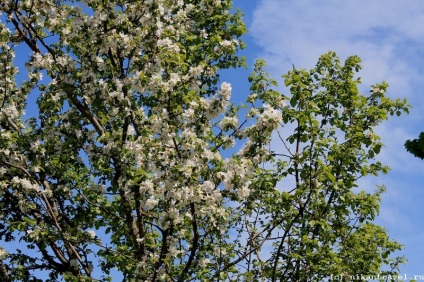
(3, 254)
(25, 184)
(151, 203)
(376, 90)
(203, 34)
(92, 233)
(225, 90)
(228, 122)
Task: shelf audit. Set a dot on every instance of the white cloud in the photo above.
(298, 32)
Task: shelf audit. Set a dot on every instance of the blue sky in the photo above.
(389, 37)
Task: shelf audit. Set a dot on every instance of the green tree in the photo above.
(416, 146)
(129, 164)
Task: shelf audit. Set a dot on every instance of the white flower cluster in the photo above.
(271, 117)
(168, 44)
(219, 102)
(25, 184)
(92, 234)
(3, 254)
(236, 176)
(150, 203)
(377, 90)
(9, 112)
(228, 122)
(225, 91)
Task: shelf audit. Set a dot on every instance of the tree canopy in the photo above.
(137, 162)
(416, 146)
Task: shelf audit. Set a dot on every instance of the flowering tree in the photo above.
(137, 161)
